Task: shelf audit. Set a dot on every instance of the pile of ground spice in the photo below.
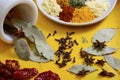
(83, 14)
(63, 2)
(67, 13)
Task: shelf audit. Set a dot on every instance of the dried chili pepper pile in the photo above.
(11, 71)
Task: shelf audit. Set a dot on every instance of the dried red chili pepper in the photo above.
(25, 73)
(12, 65)
(48, 75)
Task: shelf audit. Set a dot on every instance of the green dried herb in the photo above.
(77, 3)
(22, 48)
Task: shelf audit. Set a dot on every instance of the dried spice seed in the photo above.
(70, 33)
(76, 42)
(82, 53)
(83, 72)
(99, 45)
(49, 35)
(74, 59)
(105, 73)
(65, 44)
(89, 60)
(100, 62)
(54, 33)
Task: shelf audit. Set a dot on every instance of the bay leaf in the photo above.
(77, 68)
(93, 51)
(113, 62)
(22, 48)
(37, 58)
(18, 23)
(32, 32)
(104, 35)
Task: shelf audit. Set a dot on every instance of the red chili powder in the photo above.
(67, 13)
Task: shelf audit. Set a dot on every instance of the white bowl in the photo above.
(28, 12)
(112, 5)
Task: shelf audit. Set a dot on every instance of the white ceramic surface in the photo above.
(28, 12)
(112, 5)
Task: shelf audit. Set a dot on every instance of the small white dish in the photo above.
(112, 5)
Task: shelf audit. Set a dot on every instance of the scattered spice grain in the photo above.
(89, 60)
(82, 15)
(83, 72)
(54, 33)
(49, 35)
(76, 42)
(67, 13)
(100, 62)
(104, 73)
(74, 59)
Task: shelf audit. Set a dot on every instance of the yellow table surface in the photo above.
(48, 26)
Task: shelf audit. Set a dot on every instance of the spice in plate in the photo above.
(98, 6)
(63, 3)
(51, 7)
(67, 13)
(77, 3)
(82, 15)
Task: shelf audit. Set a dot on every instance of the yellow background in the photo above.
(48, 26)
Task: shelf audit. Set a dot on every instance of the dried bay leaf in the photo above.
(32, 32)
(77, 68)
(22, 48)
(93, 51)
(113, 62)
(104, 35)
(37, 58)
(40, 50)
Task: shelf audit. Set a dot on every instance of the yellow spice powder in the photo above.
(83, 14)
(63, 2)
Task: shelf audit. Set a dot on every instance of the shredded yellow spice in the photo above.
(63, 2)
(83, 14)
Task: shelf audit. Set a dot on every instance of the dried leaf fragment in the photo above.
(104, 35)
(107, 50)
(113, 62)
(22, 49)
(34, 34)
(81, 70)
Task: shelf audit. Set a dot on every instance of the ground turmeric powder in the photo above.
(82, 15)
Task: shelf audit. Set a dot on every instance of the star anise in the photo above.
(89, 60)
(83, 72)
(105, 73)
(99, 45)
(100, 62)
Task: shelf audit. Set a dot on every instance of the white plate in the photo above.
(112, 5)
